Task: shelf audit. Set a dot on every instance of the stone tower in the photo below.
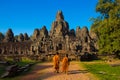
(60, 27)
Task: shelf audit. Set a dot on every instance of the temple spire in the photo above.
(59, 16)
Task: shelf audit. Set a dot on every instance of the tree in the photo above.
(103, 7)
(108, 27)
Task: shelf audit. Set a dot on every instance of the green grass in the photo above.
(25, 61)
(103, 71)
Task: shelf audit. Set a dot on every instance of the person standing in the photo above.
(65, 64)
(56, 62)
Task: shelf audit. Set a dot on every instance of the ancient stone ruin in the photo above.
(44, 44)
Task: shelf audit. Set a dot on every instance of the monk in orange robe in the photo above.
(56, 62)
(65, 64)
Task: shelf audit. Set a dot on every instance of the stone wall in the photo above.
(42, 42)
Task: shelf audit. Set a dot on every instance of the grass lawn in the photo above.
(25, 61)
(103, 70)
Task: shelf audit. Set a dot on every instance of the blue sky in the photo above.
(26, 15)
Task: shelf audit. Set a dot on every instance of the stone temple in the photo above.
(43, 44)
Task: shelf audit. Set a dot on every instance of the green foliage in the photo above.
(104, 7)
(103, 71)
(108, 27)
(25, 61)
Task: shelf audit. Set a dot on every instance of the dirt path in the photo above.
(44, 71)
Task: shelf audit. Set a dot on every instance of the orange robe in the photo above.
(56, 62)
(65, 64)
